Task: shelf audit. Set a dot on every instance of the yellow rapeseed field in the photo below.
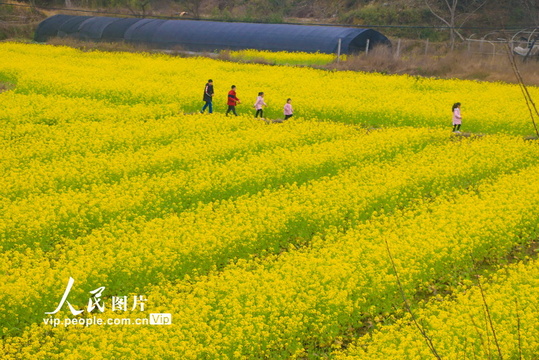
(134, 227)
(284, 58)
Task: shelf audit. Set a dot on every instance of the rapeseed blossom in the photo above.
(176, 84)
(261, 240)
(284, 57)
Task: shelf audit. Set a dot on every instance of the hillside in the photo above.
(402, 18)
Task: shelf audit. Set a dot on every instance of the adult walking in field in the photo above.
(208, 97)
(232, 101)
(288, 110)
(457, 118)
(259, 105)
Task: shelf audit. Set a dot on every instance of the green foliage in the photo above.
(271, 11)
(8, 78)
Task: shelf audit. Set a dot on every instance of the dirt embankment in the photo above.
(18, 21)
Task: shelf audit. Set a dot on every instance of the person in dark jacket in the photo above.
(232, 101)
(208, 97)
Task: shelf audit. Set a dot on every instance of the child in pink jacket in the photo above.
(259, 104)
(288, 110)
(457, 118)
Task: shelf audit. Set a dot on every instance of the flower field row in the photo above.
(127, 150)
(460, 327)
(190, 229)
(175, 84)
(47, 217)
(214, 233)
(305, 300)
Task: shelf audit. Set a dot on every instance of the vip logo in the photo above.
(160, 319)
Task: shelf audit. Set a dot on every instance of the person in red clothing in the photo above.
(232, 101)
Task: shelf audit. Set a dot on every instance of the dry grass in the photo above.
(439, 61)
(5, 87)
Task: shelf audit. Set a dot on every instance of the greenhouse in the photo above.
(195, 35)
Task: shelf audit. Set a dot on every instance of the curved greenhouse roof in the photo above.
(197, 35)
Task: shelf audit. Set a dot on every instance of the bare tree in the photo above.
(135, 5)
(452, 11)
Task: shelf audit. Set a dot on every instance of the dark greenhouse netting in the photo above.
(210, 35)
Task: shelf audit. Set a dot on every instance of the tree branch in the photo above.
(470, 14)
(408, 308)
(438, 16)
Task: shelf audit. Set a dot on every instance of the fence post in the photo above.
(339, 51)
(398, 49)
(426, 47)
(367, 48)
